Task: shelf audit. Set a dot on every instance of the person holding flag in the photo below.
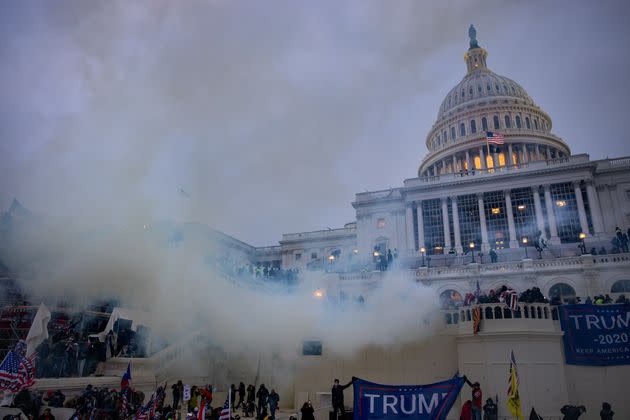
(513, 397)
(476, 399)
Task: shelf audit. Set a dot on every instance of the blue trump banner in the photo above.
(393, 402)
(596, 335)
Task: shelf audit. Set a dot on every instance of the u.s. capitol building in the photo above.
(472, 198)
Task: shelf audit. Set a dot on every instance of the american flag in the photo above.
(16, 372)
(125, 403)
(495, 138)
(225, 412)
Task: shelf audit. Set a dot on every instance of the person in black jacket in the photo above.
(308, 412)
(606, 413)
(262, 395)
(572, 412)
(337, 397)
(241, 394)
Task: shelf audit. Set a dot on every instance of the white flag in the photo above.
(39, 329)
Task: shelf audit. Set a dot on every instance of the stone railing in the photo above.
(318, 234)
(530, 316)
(527, 265)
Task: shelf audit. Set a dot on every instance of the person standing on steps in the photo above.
(337, 397)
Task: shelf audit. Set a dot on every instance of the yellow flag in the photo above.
(513, 397)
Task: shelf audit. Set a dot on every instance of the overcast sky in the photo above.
(266, 117)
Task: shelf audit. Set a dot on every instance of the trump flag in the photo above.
(410, 402)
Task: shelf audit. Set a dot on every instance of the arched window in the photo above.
(489, 314)
(444, 136)
(484, 124)
(477, 162)
(495, 119)
(489, 162)
(470, 91)
(438, 139)
(450, 299)
(479, 88)
(518, 121)
(463, 93)
(536, 124)
(462, 130)
(562, 291)
(621, 286)
(501, 159)
(508, 122)
(452, 133)
(488, 87)
(473, 126)
(527, 123)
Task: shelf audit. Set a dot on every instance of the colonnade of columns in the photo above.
(418, 224)
(465, 160)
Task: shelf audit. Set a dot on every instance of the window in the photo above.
(433, 227)
(450, 299)
(508, 122)
(462, 130)
(312, 348)
(621, 286)
(488, 87)
(473, 126)
(484, 124)
(561, 290)
(313, 255)
(524, 213)
(496, 220)
(468, 212)
(380, 223)
(298, 257)
(518, 121)
(565, 210)
(495, 120)
(477, 162)
(452, 133)
(501, 159)
(527, 123)
(463, 93)
(470, 91)
(536, 124)
(479, 89)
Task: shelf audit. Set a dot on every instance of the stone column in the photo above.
(593, 203)
(456, 232)
(548, 151)
(510, 161)
(540, 219)
(468, 162)
(510, 217)
(580, 207)
(411, 241)
(553, 228)
(454, 164)
(482, 158)
(446, 225)
(420, 220)
(435, 169)
(537, 152)
(482, 222)
(525, 154)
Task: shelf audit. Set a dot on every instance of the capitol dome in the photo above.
(487, 102)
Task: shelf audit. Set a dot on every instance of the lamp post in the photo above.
(582, 245)
(472, 251)
(423, 251)
(525, 243)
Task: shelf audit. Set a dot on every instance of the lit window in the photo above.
(496, 210)
(521, 207)
(477, 162)
(489, 162)
(514, 159)
(561, 203)
(501, 159)
(298, 257)
(380, 223)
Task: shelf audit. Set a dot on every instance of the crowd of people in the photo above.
(258, 271)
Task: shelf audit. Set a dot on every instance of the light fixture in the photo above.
(355, 251)
(438, 248)
(376, 253)
(331, 258)
(525, 240)
(471, 245)
(582, 235)
(561, 203)
(319, 293)
(521, 207)
(496, 210)
(423, 250)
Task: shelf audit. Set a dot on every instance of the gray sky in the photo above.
(272, 115)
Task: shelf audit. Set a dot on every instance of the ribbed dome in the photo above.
(482, 83)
